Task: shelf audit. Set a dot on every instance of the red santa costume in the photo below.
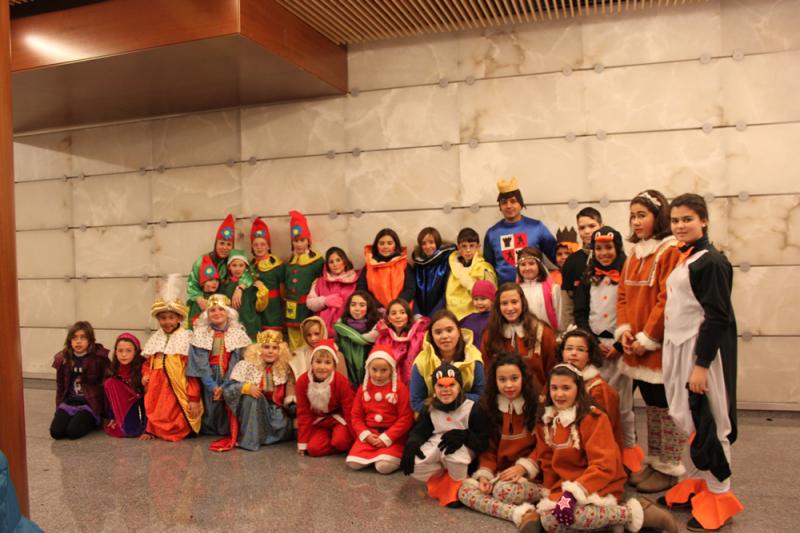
(323, 409)
(383, 411)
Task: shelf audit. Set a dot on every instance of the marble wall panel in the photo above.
(196, 193)
(768, 370)
(653, 35)
(202, 138)
(394, 63)
(653, 97)
(415, 178)
(522, 49)
(46, 303)
(114, 251)
(43, 204)
(759, 25)
(761, 88)
(673, 162)
(305, 184)
(115, 303)
(45, 254)
(552, 170)
(761, 298)
(763, 159)
(115, 199)
(43, 156)
(108, 149)
(39, 345)
(293, 129)
(521, 108)
(765, 230)
(399, 118)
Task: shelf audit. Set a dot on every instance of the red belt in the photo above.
(274, 293)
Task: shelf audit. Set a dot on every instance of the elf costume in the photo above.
(206, 271)
(271, 271)
(254, 300)
(301, 272)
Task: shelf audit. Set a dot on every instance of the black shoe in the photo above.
(694, 525)
(677, 506)
(455, 505)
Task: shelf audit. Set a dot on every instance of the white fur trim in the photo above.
(288, 400)
(328, 349)
(235, 337)
(483, 472)
(176, 342)
(620, 330)
(648, 343)
(512, 331)
(385, 439)
(646, 248)
(521, 511)
(641, 373)
(302, 446)
(319, 394)
(637, 515)
(364, 434)
(669, 469)
(589, 372)
(382, 457)
(583, 498)
(529, 465)
(378, 398)
(545, 505)
(505, 405)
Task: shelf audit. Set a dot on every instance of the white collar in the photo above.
(511, 331)
(645, 248)
(565, 417)
(589, 372)
(505, 405)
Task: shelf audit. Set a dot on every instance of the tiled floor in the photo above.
(104, 484)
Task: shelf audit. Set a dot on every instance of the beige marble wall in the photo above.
(583, 111)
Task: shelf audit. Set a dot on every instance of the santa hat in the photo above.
(260, 230)
(227, 230)
(207, 270)
(298, 226)
(385, 352)
(483, 288)
(238, 254)
(326, 345)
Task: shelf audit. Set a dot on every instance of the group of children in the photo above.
(515, 400)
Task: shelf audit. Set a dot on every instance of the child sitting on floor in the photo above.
(124, 389)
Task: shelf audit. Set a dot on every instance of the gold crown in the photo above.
(505, 186)
(218, 299)
(269, 335)
(161, 306)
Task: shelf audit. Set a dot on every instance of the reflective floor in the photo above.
(103, 484)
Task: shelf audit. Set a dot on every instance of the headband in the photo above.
(650, 198)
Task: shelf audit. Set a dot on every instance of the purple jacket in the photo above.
(94, 372)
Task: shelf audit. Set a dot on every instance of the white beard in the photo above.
(319, 394)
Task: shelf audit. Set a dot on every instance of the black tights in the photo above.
(71, 427)
(653, 394)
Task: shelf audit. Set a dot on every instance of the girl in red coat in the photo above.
(324, 404)
(381, 416)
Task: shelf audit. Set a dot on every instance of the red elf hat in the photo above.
(299, 226)
(227, 230)
(260, 230)
(207, 270)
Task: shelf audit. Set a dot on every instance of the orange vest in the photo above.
(385, 280)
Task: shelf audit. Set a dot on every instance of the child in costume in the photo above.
(253, 299)
(223, 244)
(208, 278)
(217, 345)
(700, 355)
(566, 245)
(544, 296)
(581, 466)
(172, 400)
(595, 300)
(431, 270)
(449, 434)
(513, 329)
(579, 348)
(445, 342)
(589, 220)
(268, 272)
(260, 392)
(356, 333)
(386, 274)
(313, 329)
(124, 390)
(404, 334)
(80, 367)
(303, 268)
(467, 266)
(381, 415)
(513, 233)
(330, 291)
(483, 296)
(324, 405)
(501, 486)
(641, 297)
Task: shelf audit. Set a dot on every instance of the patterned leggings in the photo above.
(588, 518)
(505, 498)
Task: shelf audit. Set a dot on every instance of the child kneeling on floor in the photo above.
(447, 437)
(324, 405)
(382, 415)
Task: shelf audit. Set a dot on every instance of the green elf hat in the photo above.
(238, 254)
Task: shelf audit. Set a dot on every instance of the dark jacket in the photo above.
(94, 372)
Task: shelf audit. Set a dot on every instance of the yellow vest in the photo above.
(458, 296)
(427, 362)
